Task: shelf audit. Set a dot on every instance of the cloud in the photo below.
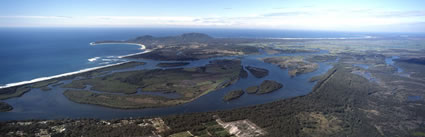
(416, 13)
(347, 12)
(290, 13)
(36, 17)
(287, 18)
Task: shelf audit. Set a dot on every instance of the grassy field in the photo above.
(268, 86)
(296, 65)
(233, 95)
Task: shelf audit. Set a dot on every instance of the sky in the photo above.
(349, 15)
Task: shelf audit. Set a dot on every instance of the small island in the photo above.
(252, 90)
(172, 64)
(266, 86)
(243, 73)
(257, 72)
(233, 95)
(5, 107)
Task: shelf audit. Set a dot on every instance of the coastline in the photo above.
(58, 76)
(146, 51)
(142, 47)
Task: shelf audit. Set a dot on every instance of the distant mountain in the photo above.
(195, 37)
(184, 38)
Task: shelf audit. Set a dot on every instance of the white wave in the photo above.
(103, 63)
(110, 59)
(142, 47)
(57, 76)
(93, 59)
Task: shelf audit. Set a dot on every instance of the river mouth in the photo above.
(38, 104)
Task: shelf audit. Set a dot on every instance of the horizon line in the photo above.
(218, 28)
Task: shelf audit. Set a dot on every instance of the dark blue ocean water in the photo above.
(28, 53)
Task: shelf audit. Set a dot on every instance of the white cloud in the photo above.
(35, 17)
(304, 18)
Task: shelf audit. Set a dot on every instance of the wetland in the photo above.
(195, 84)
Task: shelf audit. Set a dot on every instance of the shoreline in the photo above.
(57, 76)
(146, 51)
(14, 84)
(142, 47)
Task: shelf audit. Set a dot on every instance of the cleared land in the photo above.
(296, 65)
(208, 129)
(242, 128)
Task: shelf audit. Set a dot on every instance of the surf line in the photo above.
(142, 47)
(58, 76)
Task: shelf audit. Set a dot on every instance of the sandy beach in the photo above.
(57, 76)
(142, 47)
